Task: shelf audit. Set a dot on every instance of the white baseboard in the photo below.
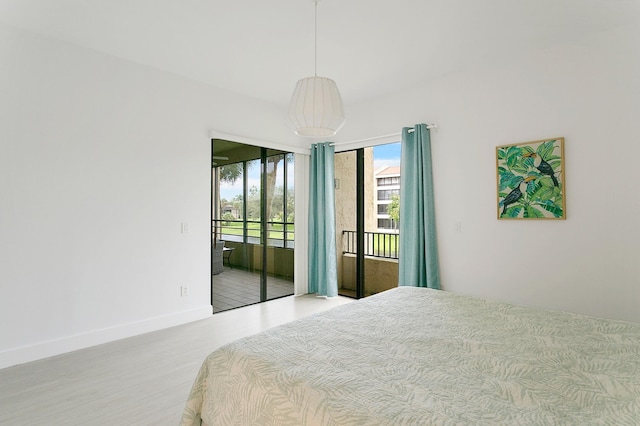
(55, 347)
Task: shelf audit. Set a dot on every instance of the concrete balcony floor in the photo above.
(234, 288)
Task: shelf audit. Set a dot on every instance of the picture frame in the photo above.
(531, 180)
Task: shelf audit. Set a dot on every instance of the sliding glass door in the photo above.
(349, 193)
(367, 208)
(252, 216)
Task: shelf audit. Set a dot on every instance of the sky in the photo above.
(386, 155)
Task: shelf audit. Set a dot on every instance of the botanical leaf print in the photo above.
(417, 356)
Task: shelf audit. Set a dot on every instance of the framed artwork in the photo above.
(531, 180)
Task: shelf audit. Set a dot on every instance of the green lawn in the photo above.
(253, 230)
(386, 242)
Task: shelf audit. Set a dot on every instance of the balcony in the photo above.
(239, 284)
(244, 237)
(380, 262)
(376, 244)
(279, 234)
(237, 287)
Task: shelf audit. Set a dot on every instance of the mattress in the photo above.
(412, 356)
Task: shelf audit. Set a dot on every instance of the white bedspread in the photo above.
(413, 356)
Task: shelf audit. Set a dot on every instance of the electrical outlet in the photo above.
(184, 291)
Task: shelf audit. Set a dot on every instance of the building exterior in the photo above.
(387, 184)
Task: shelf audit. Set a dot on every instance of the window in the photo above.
(235, 224)
(388, 181)
(386, 194)
(382, 223)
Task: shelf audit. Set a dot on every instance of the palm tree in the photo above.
(230, 173)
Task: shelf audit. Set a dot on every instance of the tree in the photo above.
(227, 218)
(394, 210)
(277, 209)
(275, 194)
(253, 203)
(230, 172)
(238, 205)
(291, 204)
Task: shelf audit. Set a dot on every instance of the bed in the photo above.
(414, 356)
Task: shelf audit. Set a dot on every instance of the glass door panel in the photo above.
(251, 250)
(279, 209)
(346, 222)
(367, 191)
(381, 234)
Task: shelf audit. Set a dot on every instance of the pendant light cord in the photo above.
(315, 40)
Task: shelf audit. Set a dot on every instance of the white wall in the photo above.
(588, 92)
(101, 160)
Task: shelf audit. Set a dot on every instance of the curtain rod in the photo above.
(429, 126)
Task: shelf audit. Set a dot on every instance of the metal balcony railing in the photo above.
(280, 234)
(376, 244)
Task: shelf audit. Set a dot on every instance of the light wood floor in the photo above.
(142, 380)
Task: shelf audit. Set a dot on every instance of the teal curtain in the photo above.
(323, 275)
(418, 251)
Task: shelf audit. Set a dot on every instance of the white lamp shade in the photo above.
(316, 107)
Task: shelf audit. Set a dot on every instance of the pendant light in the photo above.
(316, 105)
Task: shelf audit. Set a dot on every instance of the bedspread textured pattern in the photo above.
(418, 356)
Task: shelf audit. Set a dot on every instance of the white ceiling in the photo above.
(260, 48)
